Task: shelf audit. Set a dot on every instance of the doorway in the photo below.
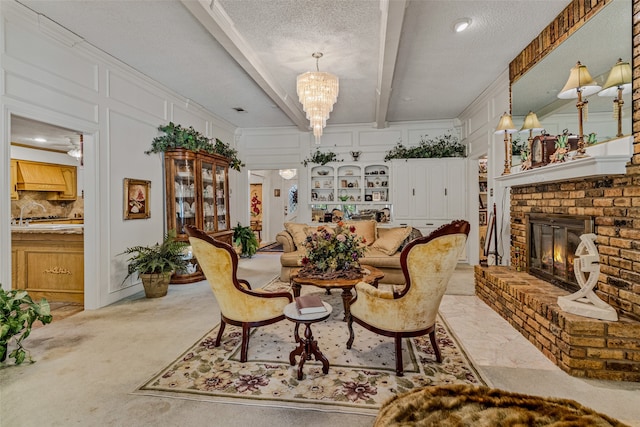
(47, 236)
(278, 200)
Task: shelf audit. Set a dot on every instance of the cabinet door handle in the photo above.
(445, 191)
(413, 190)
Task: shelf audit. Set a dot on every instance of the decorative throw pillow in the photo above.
(415, 233)
(389, 241)
(364, 229)
(298, 232)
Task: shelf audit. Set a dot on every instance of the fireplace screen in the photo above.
(553, 241)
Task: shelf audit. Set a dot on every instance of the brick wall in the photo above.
(580, 346)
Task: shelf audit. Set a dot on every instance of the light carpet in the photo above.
(359, 380)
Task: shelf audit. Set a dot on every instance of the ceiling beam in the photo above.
(215, 20)
(391, 19)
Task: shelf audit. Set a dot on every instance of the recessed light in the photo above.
(39, 139)
(461, 24)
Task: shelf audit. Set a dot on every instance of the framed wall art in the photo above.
(136, 199)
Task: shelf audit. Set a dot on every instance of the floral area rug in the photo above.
(359, 380)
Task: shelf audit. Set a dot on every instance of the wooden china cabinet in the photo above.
(197, 189)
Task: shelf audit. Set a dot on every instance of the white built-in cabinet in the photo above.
(428, 193)
(350, 183)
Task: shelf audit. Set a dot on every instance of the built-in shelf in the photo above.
(608, 158)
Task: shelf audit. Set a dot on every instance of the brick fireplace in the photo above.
(580, 346)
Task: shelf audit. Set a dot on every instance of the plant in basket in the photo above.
(333, 253)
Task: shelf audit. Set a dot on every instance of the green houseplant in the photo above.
(18, 312)
(176, 136)
(445, 145)
(321, 158)
(245, 238)
(156, 263)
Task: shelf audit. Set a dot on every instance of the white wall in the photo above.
(50, 75)
(479, 121)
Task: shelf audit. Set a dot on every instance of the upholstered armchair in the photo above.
(239, 304)
(427, 264)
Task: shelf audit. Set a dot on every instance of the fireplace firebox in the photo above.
(552, 241)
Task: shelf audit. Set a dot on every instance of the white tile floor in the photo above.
(508, 361)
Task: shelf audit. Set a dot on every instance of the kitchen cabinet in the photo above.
(14, 179)
(70, 192)
(49, 264)
(197, 193)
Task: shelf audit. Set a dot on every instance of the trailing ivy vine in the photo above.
(321, 158)
(445, 145)
(175, 136)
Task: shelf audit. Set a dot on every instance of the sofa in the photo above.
(384, 245)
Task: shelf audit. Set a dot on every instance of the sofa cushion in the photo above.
(298, 232)
(389, 240)
(378, 259)
(364, 229)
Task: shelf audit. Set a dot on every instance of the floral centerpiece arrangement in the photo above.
(333, 253)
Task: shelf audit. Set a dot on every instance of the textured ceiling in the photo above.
(397, 60)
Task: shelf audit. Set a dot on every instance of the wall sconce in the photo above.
(506, 126)
(531, 124)
(579, 84)
(618, 83)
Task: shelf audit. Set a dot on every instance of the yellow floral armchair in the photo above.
(427, 264)
(239, 304)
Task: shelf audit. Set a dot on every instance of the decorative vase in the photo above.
(156, 285)
(356, 155)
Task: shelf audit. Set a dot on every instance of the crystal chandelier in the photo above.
(288, 173)
(317, 92)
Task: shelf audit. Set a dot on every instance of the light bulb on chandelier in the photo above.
(317, 92)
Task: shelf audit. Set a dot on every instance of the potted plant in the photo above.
(442, 146)
(245, 239)
(18, 312)
(321, 158)
(155, 264)
(175, 136)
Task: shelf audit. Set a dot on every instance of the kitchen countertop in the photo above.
(48, 228)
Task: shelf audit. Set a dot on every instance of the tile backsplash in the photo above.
(61, 208)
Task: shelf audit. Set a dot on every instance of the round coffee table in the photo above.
(308, 346)
(371, 276)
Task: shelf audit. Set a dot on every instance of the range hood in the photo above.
(36, 176)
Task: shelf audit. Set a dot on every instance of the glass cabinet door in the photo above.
(221, 199)
(208, 194)
(184, 191)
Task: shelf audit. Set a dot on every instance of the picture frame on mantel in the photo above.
(136, 199)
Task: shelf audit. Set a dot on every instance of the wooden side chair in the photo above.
(239, 304)
(427, 264)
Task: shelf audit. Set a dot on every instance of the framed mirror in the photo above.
(598, 44)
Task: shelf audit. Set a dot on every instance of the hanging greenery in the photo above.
(175, 136)
(321, 158)
(445, 145)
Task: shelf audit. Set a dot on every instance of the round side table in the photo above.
(307, 346)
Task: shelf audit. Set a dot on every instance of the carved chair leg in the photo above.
(434, 343)
(220, 331)
(245, 342)
(351, 336)
(399, 367)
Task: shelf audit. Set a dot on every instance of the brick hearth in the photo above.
(581, 346)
